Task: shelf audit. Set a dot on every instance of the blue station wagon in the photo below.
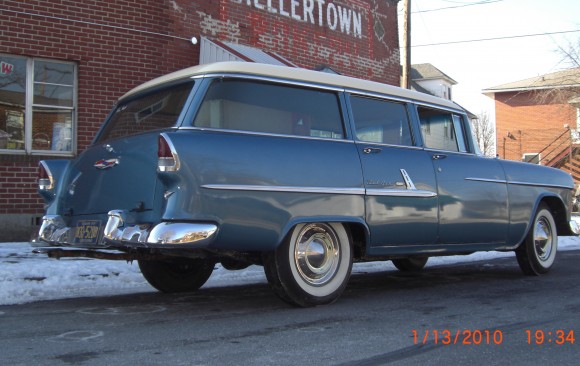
(300, 171)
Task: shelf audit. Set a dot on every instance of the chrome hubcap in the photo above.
(317, 254)
(543, 238)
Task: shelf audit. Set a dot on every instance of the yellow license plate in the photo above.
(88, 232)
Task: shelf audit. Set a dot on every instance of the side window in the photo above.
(442, 130)
(245, 105)
(381, 121)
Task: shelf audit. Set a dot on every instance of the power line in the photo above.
(496, 38)
(456, 6)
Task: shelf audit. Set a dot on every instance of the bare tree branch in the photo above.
(564, 86)
(484, 134)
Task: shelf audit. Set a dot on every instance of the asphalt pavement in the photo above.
(482, 313)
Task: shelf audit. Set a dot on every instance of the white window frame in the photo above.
(29, 106)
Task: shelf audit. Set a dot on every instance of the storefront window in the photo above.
(37, 105)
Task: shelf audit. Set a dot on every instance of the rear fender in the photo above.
(56, 170)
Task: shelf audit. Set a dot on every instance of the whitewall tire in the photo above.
(312, 266)
(537, 253)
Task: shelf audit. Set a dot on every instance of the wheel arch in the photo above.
(356, 228)
(558, 210)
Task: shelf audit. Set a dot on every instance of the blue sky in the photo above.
(479, 65)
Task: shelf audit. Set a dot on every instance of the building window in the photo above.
(37, 105)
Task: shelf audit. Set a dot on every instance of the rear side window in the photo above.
(381, 121)
(442, 130)
(152, 111)
(245, 105)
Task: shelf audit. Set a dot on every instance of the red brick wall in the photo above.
(18, 193)
(374, 55)
(118, 44)
(110, 61)
(532, 124)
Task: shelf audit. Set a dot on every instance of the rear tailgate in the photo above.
(121, 174)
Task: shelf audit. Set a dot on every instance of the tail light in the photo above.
(167, 158)
(45, 181)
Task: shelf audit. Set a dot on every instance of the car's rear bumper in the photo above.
(120, 232)
(164, 234)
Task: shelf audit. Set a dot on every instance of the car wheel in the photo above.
(179, 275)
(413, 264)
(312, 266)
(538, 251)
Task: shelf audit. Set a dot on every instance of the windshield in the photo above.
(152, 111)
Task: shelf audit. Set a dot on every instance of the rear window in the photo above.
(152, 111)
(244, 105)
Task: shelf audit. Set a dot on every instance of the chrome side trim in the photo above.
(408, 182)
(431, 150)
(418, 193)
(323, 190)
(517, 183)
(411, 190)
(487, 180)
(254, 133)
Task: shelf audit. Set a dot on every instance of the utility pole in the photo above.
(406, 54)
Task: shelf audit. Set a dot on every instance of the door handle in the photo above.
(439, 156)
(372, 150)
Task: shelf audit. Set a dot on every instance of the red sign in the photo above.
(6, 68)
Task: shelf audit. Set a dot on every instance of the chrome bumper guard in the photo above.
(54, 231)
(162, 234)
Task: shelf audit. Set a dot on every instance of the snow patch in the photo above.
(27, 277)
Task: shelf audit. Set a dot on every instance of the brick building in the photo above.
(64, 63)
(537, 120)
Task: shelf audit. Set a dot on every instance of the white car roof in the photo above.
(294, 74)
